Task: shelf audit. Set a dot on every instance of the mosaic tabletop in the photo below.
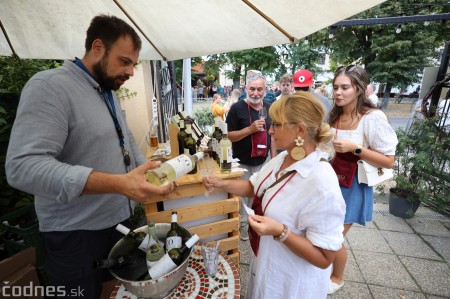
(195, 282)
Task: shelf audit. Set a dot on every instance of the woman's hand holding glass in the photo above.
(206, 168)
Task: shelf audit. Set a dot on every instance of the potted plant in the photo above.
(404, 198)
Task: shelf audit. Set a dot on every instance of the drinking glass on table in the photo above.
(262, 114)
(206, 167)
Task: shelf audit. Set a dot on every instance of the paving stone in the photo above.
(409, 245)
(246, 253)
(391, 223)
(387, 293)
(353, 290)
(352, 272)
(368, 225)
(384, 270)
(367, 239)
(432, 276)
(243, 273)
(441, 245)
(428, 227)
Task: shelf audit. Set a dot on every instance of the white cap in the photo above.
(194, 239)
(123, 229)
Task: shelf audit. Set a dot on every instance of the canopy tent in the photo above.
(169, 29)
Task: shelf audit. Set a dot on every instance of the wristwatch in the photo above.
(357, 151)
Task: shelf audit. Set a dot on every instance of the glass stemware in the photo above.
(262, 114)
(206, 167)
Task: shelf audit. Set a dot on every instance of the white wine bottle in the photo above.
(173, 169)
(171, 259)
(173, 236)
(226, 151)
(132, 240)
(155, 249)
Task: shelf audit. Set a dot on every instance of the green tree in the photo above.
(266, 60)
(300, 55)
(396, 59)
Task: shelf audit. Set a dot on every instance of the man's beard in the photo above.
(105, 81)
(254, 100)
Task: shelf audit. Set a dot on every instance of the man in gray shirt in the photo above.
(71, 147)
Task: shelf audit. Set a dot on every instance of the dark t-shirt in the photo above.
(238, 118)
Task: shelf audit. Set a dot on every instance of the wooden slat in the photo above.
(195, 212)
(229, 243)
(215, 228)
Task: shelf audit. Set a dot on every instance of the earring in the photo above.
(298, 153)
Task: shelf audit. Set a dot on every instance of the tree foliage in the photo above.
(396, 59)
(264, 59)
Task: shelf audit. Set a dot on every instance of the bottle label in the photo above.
(226, 154)
(181, 164)
(162, 267)
(144, 244)
(151, 264)
(173, 242)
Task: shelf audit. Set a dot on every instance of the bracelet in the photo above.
(284, 234)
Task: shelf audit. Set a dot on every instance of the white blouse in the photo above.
(373, 131)
(311, 205)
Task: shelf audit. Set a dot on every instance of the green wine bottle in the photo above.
(172, 259)
(155, 250)
(132, 240)
(130, 267)
(216, 137)
(181, 137)
(173, 236)
(189, 145)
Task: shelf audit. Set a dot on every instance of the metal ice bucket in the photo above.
(162, 286)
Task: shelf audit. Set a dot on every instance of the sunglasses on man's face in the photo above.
(347, 69)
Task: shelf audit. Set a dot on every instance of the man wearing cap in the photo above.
(303, 80)
(250, 135)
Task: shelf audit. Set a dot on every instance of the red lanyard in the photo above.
(270, 200)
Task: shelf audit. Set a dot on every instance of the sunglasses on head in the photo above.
(347, 69)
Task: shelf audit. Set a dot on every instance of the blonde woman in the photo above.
(216, 108)
(298, 204)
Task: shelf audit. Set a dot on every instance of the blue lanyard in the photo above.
(107, 97)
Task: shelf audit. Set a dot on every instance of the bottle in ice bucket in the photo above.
(172, 259)
(130, 267)
(173, 236)
(131, 240)
(155, 250)
(173, 169)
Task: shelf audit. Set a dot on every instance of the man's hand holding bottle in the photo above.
(139, 189)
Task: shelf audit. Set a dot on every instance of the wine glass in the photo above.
(262, 114)
(206, 167)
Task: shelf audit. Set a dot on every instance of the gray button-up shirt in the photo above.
(63, 131)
